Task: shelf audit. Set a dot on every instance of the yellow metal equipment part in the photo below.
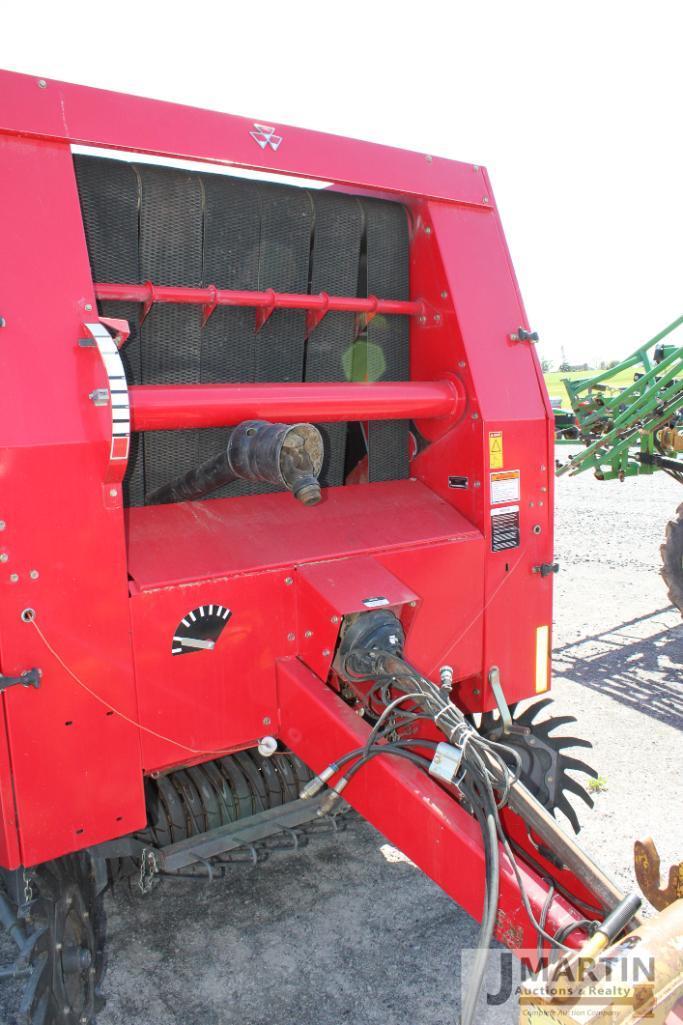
(671, 438)
(639, 979)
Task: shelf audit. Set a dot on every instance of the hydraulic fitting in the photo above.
(330, 799)
(316, 784)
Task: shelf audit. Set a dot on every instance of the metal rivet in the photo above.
(34, 574)
(542, 468)
(2, 524)
(475, 167)
(289, 580)
(476, 692)
(437, 318)
(88, 307)
(113, 492)
(326, 652)
(14, 578)
(4, 557)
(428, 158)
(461, 363)
(422, 319)
(475, 416)
(444, 295)
(413, 604)
(308, 633)
(3, 322)
(266, 720)
(291, 637)
(334, 619)
(42, 84)
(531, 505)
(485, 199)
(428, 230)
(476, 484)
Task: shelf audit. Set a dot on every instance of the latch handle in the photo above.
(29, 678)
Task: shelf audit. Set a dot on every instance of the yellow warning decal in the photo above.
(496, 450)
(542, 658)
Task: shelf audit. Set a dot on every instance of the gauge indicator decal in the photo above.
(200, 629)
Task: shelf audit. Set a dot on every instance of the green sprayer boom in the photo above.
(636, 430)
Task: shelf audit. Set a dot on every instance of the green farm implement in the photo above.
(636, 430)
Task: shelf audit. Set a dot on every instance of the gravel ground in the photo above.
(347, 930)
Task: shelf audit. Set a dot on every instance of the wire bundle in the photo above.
(487, 770)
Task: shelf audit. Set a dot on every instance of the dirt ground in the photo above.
(347, 930)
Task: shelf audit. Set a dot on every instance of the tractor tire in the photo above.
(672, 559)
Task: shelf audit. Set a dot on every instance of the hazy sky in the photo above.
(575, 108)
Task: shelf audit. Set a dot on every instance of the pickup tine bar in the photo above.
(264, 302)
(175, 407)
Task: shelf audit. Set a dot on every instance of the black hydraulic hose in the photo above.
(486, 816)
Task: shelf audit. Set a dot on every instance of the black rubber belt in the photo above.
(171, 219)
(335, 258)
(174, 227)
(110, 196)
(232, 228)
(277, 349)
(387, 336)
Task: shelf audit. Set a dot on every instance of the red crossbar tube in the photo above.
(211, 296)
(174, 407)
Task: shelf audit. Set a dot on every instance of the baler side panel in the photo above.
(76, 768)
(507, 407)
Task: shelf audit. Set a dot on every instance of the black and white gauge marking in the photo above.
(200, 629)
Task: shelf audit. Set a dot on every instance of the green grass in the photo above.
(557, 390)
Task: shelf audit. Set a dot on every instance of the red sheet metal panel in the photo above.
(241, 535)
(9, 836)
(95, 117)
(205, 701)
(76, 770)
(266, 559)
(459, 258)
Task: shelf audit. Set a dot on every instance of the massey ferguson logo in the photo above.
(265, 136)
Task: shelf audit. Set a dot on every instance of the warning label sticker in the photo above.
(505, 528)
(505, 487)
(496, 450)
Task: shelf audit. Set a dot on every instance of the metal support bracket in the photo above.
(29, 678)
(505, 714)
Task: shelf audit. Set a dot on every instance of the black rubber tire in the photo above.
(69, 910)
(672, 559)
